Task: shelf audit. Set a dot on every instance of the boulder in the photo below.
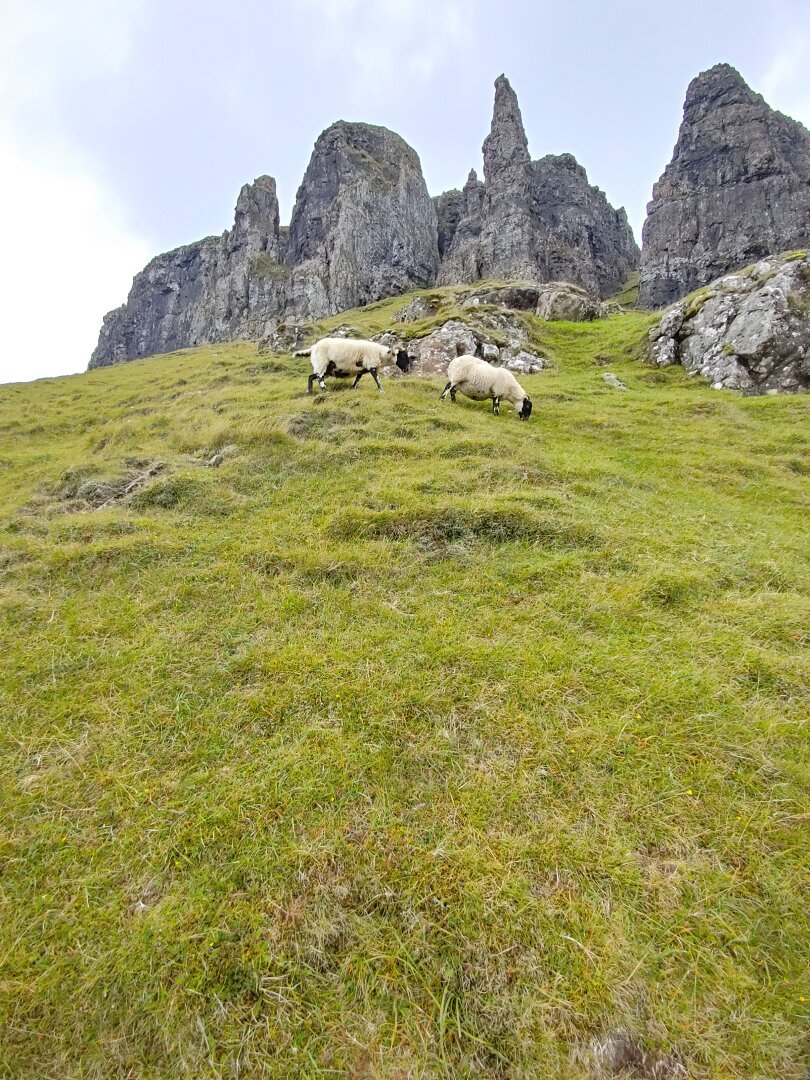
(737, 189)
(421, 307)
(748, 331)
(519, 297)
(285, 337)
(432, 353)
(520, 360)
(561, 300)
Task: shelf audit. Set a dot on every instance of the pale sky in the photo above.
(127, 127)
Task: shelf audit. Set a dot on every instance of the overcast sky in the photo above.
(127, 127)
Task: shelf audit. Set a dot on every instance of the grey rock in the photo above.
(539, 220)
(553, 301)
(218, 289)
(421, 307)
(460, 232)
(285, 337)
(737, 189)
(563, 301)
(518, 297)
(432, 354)
(364, 226)
(527, 363)
(504, 324)
(614, 381)
(748, 331)
(449, 207)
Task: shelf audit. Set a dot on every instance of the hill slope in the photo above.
(406, 741)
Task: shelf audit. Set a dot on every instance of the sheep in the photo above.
(479, 380)
(342, 357)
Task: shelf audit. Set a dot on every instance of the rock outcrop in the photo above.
(748, 331)
(557, 300)
(737, 189)
(431, 354)
(537, 220)
(461, 215)
(219, 288)
(363, 228)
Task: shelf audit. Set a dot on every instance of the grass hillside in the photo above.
(402, 741)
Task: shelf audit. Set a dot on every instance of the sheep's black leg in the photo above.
(310, 381)
(453, 394)
(357, 380)
(444, 392)
(373, 372)
(496, 406)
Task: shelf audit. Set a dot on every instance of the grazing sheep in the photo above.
(479, 380)
(342, 357)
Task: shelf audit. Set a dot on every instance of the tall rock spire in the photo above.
(737, 189)
(509, 242)
(506, 147)
(536, 220)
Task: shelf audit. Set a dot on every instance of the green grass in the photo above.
(627, 296)
(409, 742)
(263, 265)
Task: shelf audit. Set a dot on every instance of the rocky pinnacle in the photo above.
(536, 220)
(737, 189)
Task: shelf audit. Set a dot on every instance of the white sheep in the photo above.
(342, 357)
(479, 380)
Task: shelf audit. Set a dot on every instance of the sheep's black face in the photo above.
(403, 361)
(526, 410)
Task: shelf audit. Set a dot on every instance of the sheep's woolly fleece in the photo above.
(479, 380)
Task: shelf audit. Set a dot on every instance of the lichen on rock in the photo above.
(747, 331)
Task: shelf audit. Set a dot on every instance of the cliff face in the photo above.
(737, 189)
(536, 220)
(461, 216)
(364, 225)
(363, 228)
(217, 289)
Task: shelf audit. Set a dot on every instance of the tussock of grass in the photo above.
(408, 741)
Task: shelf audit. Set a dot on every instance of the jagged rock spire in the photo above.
(737, 189)
(538, 221)
(256, 217)
(506, 145)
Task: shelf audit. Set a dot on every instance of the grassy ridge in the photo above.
(408, 741)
